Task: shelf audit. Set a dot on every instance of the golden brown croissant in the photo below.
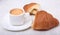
(32, 8)
(44, 21)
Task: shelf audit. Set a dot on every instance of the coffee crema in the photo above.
(16, 11)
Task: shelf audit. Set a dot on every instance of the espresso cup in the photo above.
(16, 17)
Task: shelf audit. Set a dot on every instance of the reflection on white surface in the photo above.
(52, 6)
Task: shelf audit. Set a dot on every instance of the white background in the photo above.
(51, 6)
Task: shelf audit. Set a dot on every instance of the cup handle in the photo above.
(27, 17)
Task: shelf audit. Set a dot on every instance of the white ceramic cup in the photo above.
(17, 20)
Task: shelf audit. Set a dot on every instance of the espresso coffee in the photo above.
(16, 11)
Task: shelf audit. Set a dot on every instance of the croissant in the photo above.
(44, 21)
(31, 8)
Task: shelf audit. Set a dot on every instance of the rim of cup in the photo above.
(16, 15)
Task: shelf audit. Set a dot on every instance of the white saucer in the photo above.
(7, 25)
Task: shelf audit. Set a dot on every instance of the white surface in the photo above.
(52, 6)
(6, 24)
